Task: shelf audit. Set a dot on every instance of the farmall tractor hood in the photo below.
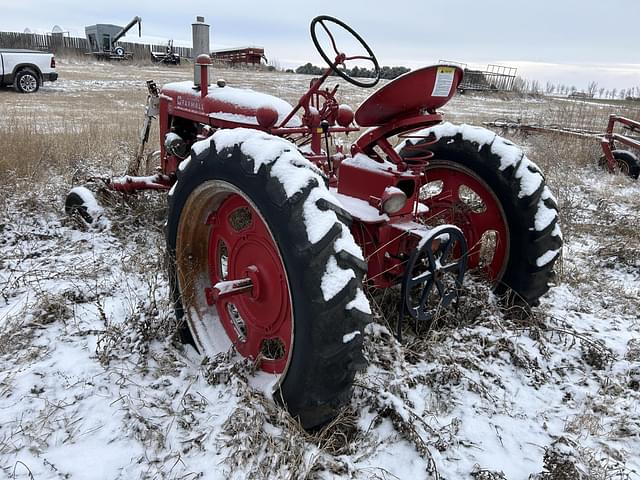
(226, 104)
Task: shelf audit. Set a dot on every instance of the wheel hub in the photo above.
(434, 274)
(28, 83)
(249, 287)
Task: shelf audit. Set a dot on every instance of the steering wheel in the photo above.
(322, 20)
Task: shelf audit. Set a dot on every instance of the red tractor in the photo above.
(276, 231)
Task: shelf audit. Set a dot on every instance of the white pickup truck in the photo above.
(26, 69)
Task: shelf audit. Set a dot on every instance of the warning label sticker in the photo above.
(444, 81)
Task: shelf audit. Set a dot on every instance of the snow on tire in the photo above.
(488, 187)
(82, 203)
(248, 206)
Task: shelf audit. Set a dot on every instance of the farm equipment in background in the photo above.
(102, 39)
(168, 57)
(613, 159)
(276, 230)
(506, 124)
(495, 78)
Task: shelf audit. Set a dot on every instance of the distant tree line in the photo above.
(385, 72)
(593, 90)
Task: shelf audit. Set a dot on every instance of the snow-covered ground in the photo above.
(93, 385)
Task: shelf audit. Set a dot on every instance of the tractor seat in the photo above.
(427, 88)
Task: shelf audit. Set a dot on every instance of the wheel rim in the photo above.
(258, 322)
(222, 237)
(28, 83)
(457, 195)
(623, 167)
(435, 273)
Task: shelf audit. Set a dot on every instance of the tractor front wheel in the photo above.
(264, 266)
(82, 204)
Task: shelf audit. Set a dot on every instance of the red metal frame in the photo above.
(610, 137)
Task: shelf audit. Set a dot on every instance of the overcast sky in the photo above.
(569, 41)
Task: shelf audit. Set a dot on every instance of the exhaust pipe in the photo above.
(200, 31)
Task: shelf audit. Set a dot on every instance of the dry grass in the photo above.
(37, 146)
(89, 120)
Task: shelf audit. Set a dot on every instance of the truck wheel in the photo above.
(249, 210)
(26, 81)
(626, 163)
(485, 185)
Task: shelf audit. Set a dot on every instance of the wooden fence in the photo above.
(73, 46)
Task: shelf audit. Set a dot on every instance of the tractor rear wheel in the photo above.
(486, 186)
(263, 264)
(626, 163)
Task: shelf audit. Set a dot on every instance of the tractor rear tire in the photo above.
(626, 163)
(26, 81)
(518, 207)
(247, 204)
